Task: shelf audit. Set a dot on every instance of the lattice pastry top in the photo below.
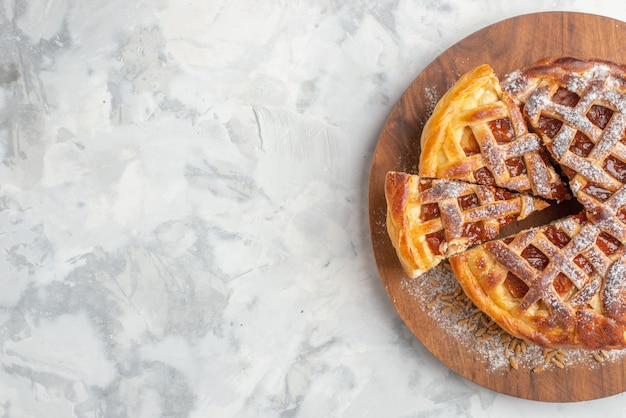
(560, 285)
(579, 107)
(477, 133)
(430, 219)
(564, 285)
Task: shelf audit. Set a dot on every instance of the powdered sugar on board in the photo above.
(438, 293)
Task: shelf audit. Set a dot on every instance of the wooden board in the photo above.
(506, 45)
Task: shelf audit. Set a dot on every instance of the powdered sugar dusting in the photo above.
(433, 98)
(596, 73)
(514, 83)
(540, 176)
(433, 293)
(535, 103)
(585, 238)
(445, 189)
(495, 210)
(618, 199)
(437, 293)
(615, 285)
(589, 170)
(569, 225)
(530, 143)
(560, 143)
(426, 290)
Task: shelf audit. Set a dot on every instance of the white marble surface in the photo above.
(183, 209)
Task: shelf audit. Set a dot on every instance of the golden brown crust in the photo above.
(477, 133)
(559, 285)
(578, 106)
(479, 84)
(556, 285)
(476, 270)
(430, 219)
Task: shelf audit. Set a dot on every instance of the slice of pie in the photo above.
(559, 285)
(477, 133)
(579, 108)
(430, 219)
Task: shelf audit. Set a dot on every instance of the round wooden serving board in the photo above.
(506, 46)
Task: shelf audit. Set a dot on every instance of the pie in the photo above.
(562, 284)
(429, 220)
(477, 133)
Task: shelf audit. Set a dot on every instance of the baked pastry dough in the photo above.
(430, 219)
(560, 285)
(564, 285)
(579, 108)
(477, 133)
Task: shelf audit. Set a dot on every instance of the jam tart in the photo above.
(429, 220)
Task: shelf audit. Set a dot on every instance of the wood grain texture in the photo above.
(506, 46)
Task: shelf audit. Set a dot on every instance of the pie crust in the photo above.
(428, 220)
(559, 285)
(477, 133)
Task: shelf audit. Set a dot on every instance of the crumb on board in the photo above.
(516, 353)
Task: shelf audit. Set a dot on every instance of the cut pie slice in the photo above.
(429, 220)
(579, 108)
(559, 285)
(477, 133)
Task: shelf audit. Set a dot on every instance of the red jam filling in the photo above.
(607, 243)
(565, 97)
(484, 176)
(429, 211)
(599, 116)
(535, 258)
(598, 192)
(556, 236)
(516, 166)
(501, 194)
(583, 263)
(581, 145)
(434, 240)
(516, 286)
(502, 130)
(548, 126)
(562, 284)
(468, 202)
(615, 168)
